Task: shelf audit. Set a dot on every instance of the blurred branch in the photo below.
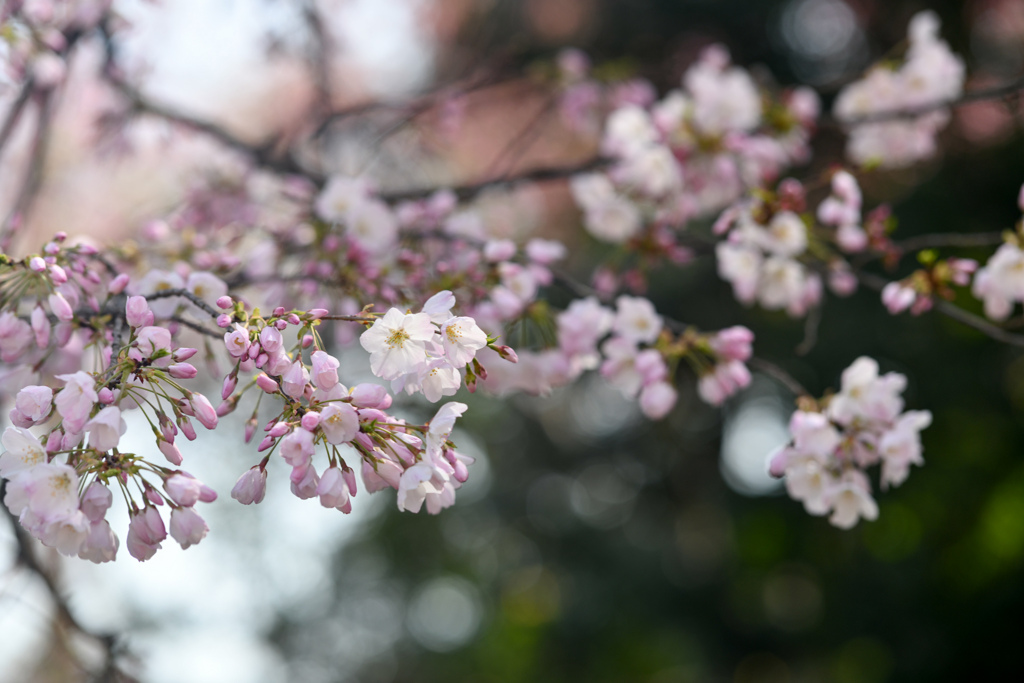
(878, 283)
(534, 175)
(34, 175)
(110, 671)
(522, 141)
(14, 113)
(1005, 90)
(262, 154)
(319, 56)
(980, 239)
(778, 374)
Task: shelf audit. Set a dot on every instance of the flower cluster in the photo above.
(693, 152)
(765, 238)
(316, 408)
(930, 75)
(423, 352)
(1000, 283)
(56, 501)
(837, 440)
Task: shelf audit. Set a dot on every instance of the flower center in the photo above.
(397, 338)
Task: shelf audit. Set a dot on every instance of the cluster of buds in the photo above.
(55, 500)
(837, 439)
(411, 350)
(916, 291)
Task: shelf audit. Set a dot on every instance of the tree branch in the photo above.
(977, 95)
(534, 175)
(878, 283)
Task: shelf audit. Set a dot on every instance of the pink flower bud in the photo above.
(250, 487)
(279, 430)
(223, 320)
(183, 489)
(118, 284)
(350, 480)
(225, 302)
(250, 430)
(96, 501)
(270, 339)
(226, 408)
(41, 327)
(507, 353)
(57, 274)
(318, 313)
(37, 264)
(204, 411)
(368, 395)
(182, 371)
(267, 442)
(294, 380)
(293, 319)
(60, 307)
(229, 385)
(310, 420)
(170, 451)
(106, 396)
(185, 425)
(54, 442)
(266, 383)
(279, 311)
(137, 311)
(184, 353)
(307, 341)
(281, 324)
(187, 527)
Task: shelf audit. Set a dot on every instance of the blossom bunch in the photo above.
(414, 352)
(1000, 282)
(60, 491)
(766, 238)
(836, 441)
(930, 74)
(693, 152)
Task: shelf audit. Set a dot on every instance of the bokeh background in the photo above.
(590, 544)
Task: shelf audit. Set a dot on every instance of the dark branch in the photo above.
(535, 175)
(878, 283)
(969, 97)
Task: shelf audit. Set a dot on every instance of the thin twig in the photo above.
(971, 96)
(776, 372)
(14, 113)
(185, 294)
(196, 326)
(878, 283)
(34, 176)
(534, 175)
